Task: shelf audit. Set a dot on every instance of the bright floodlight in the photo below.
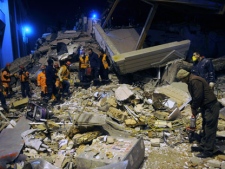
(26, 30)
(94, 16)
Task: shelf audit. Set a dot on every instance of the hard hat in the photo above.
(68, 63)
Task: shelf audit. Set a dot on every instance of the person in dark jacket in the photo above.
(203, 98)
(95, 66)
(104, 67)
(51, 77)
(24, 81)
(204, 68)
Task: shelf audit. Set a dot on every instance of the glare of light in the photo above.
(94, 16)
(26, 30)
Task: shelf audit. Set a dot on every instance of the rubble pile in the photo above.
(139, 125)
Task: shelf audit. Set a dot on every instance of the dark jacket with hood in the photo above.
(200, 92)
(205, 69)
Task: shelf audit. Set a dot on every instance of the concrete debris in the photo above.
(134, 121)
(123, 93)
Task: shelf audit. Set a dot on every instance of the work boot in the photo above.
(204, 154)
(196, 149)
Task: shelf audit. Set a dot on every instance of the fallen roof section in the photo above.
(150, 57)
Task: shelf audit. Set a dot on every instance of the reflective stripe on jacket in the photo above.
(5, 77)
(63, 73)
(24, 76)
(41, 81)
(104, 62)
(84, 62)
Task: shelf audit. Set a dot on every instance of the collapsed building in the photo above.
(111, 126)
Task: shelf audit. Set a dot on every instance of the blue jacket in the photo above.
(50, 73)
(94, 60)
(204, 69)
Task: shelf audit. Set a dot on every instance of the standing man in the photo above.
(64, 76)
(204, 68)
(24, 81)
(95, 66)
(6, 79)
(41, 81)
(83, 64)
(50, 73)
(3, 101)
(204, 98)
(104, 67)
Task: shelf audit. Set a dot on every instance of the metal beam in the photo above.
(147, 26)
(110, 13)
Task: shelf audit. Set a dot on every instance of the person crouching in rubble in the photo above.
(24, 81)
(51, 77)
(203, 98)
(41, 81)
(6, 79)
(64, 76)
(83, 64)
(3, 101)
(104, 67)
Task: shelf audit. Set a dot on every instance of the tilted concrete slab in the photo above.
(11, 142)
(147, 58)
(120, 45)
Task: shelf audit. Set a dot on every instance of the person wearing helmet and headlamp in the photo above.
(64, 76)
(204, 68)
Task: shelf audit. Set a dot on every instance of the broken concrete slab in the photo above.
(20, 102)
(100, 154)
(130, 62)
(11, 141)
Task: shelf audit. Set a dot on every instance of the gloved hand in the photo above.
(61, 80)
(194, 112)
(211, 85)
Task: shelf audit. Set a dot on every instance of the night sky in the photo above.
(56, 14)
(51, 13)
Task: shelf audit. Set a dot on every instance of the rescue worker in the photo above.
(64, 76)
(104, 67)
(83, 64)
(95, 66)
(204, 98)
(203, 67)
(41, 81)
(51, 77)
(24, 81)
(6, 79)
(3, 101)
(58, 84)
